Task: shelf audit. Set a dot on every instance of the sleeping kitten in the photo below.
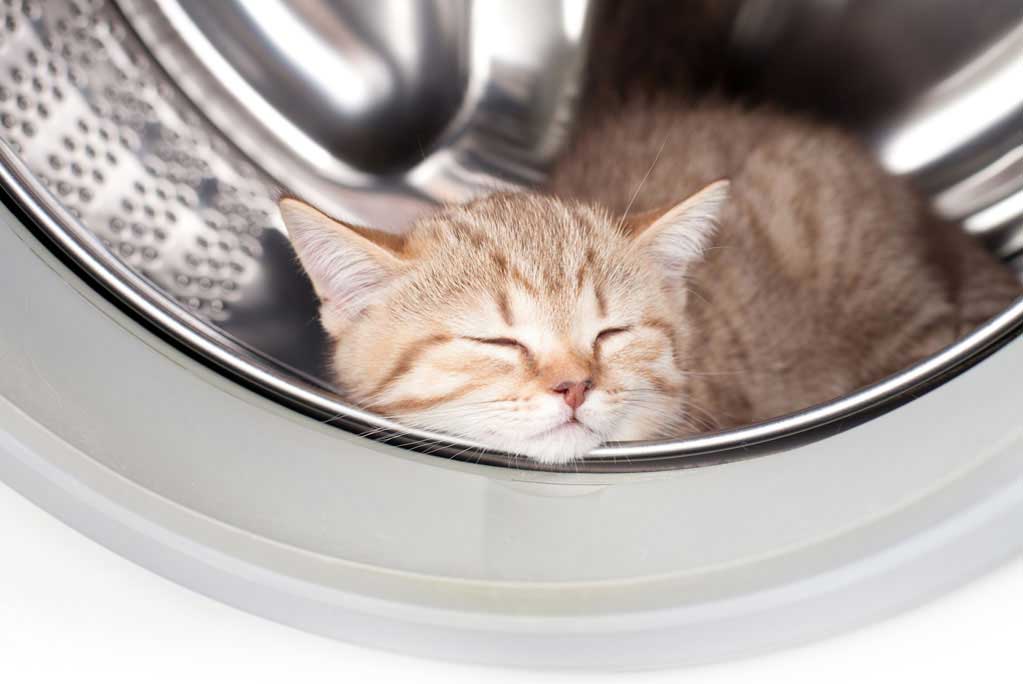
(691, 270)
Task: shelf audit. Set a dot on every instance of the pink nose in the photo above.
(574, 393)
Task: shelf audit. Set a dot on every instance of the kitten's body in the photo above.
(545, 325)
(827, 274)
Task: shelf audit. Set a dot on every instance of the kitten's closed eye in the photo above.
(499, 342)
(609, 332)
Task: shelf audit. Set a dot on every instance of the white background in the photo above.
(71, 611)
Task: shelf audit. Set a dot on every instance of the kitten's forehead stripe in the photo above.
(598, 292)
(500, 262)
(504, 307)
(522, 281)
(584, 269)
(580, 277)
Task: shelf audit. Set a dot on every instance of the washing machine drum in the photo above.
(162, 387)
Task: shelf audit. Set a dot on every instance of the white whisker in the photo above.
(628, 207)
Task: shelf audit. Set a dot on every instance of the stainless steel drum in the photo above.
(165, 128)
(162, 386)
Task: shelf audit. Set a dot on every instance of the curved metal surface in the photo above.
(108, 96)
(372, 84)
(375, 110)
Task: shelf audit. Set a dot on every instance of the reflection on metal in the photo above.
(126, 174)
(371, 109)
(977, 104)
(933, 85)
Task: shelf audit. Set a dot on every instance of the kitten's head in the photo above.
(518, 321)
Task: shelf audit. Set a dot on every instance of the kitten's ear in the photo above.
(348, 265)
(678, 237)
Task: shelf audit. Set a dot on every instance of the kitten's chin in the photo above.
(563, 444)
